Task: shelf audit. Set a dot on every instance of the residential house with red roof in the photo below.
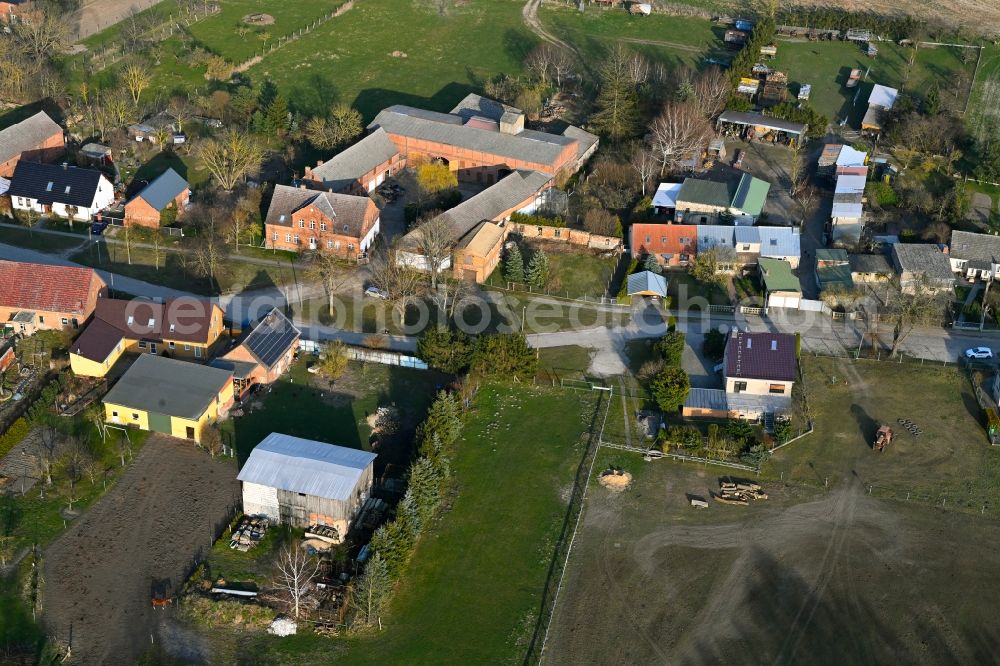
(36, 139)
(671, 244)
(43, 297)
(185, 328)
(303, 220)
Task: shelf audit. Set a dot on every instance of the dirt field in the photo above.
(805, 577)
(145, 533)
(96, 15)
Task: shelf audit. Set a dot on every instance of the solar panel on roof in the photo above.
(741, 192)
(272, 337)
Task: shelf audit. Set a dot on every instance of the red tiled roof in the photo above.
(45, 288)
(664, 239)
(768, 356)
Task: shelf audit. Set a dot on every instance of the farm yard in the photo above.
(809, 576)
(145, 534)
(844, 537)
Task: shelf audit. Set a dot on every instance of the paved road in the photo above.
(820, 334)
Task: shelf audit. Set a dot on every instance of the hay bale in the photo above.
(615, 480)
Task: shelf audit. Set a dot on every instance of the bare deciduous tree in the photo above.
(327, 270)
(392, 274)
(711, 91)
(231, 156)
(434, 236)
(118, 108)
(905, 307)
(296, 571)
(44, 35)
(46, 451)
(645, 165)
(562, 63)
(539, 61)
(677, 132)
(179, 108)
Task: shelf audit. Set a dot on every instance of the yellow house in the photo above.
(169, 396)
(185, 328)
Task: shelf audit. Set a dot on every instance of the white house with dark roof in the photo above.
(760, 370)
(974, 256)
(60, 189)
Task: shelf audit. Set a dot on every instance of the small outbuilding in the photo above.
(303, 482)
(647, 283)
(146, 208)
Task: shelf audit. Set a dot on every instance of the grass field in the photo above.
(218, 33)
(349, 59)
(293, 404)
(674, 40)
(951, 463)
(826, 66)
(572, 273)
(36, 241)
(984, 109)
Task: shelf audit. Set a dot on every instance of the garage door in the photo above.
(159, 423)
(791, 302)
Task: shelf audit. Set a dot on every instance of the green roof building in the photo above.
(776, 274)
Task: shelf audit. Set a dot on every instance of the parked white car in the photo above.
(377, 293)
(979, 352)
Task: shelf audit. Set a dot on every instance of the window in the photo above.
(187, 347)
(776, 388)
(142, 344)
(558, 233)
(329, 245)
(774, 242)
(704, 219)
(135, 417)
(41, 319)
(663, 240)
(746, 247)
(114, 415)
(76, 323)
(172, 327)
(350, 247)
(296, 239)
(65, 321)
(322, 226)
(274, 236)
(685, 257)
(540, 231)
(685, 241)
(171, 345)
(302, 224)
(336, 245)
(312, 241)
(197, 352)
(152, 323)
(288, 238)
(312, 224)
(739, 387)
(648, 239)
(345, 228)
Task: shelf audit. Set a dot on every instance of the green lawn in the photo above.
(34, 240)
(178, 271)
(162, 11)
(349, 59)
(826, 66)
(951, 462)
(472, 591)
(984, 109)
(674, 40)
(218, 33)
(576, 274)
(304, 405)
(681, 281)
(570, 362)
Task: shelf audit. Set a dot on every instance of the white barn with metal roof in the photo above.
(303, 482)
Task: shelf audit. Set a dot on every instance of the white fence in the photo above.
(371, 355)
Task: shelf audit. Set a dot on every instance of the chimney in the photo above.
(319, 163)
(309, 173)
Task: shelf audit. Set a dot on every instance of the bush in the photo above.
(671, 348)
(505, 356)
(714, 345)
(537, 220)
(882, 193)
(670, 388)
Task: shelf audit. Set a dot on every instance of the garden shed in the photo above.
(302, 482)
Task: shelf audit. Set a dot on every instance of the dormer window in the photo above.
(172, 328)
(131, 320)
(152, 323)
(345, 228)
